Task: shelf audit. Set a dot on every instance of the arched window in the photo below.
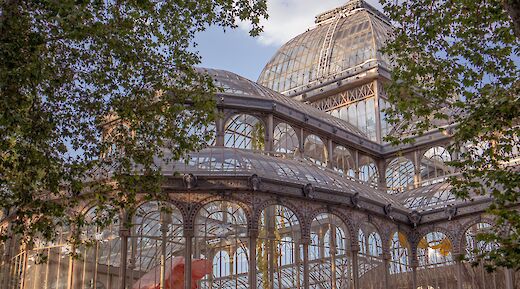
(278, 264)
(342, 161)
(362, 242)
(375, 247)
(474, 246)
(434, 249)
(433, 165)
(314, 248)
(245, 132)
(241, 260)
(331, 269)
(315, 150)
(286, 251)
(149, 222)
(399, 175)
(477, 274)
(399, 248)
(285, 139)
(220, 228)
(48, 260)
(221, 263)
(433, 252)
(368, 171)
(370, 259)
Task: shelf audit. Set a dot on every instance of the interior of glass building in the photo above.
(297, 189)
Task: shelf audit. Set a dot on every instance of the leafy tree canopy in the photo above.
(70, 68)
(456, 67)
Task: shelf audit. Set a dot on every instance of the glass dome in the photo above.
(345, 41)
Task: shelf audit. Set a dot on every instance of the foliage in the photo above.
(456, 68)
(72, 70)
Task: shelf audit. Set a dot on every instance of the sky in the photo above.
(236, 51)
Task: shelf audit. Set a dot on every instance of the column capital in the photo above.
(188, 233)
(252, 233)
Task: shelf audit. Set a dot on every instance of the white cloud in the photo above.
(289, 18)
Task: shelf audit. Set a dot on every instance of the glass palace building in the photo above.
(298, 189)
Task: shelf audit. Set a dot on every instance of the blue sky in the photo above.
(236, 51)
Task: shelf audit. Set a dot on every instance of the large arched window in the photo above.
(434, 255)
(434, 249)
(278, 261)
(399, 175)
(245, 131)
(342, 161)
(370, 259)
(473, 245)
(433, 165)
(400, 262)
(476, 275)
(156, 233)
(399, 253)
(368, 171)
(220, 228)
(285, 139)
(331, 267)
(315, 150)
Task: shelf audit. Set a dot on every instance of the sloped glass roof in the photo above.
(223, 161)
(436, 196)
(346, 40)
(233, 84)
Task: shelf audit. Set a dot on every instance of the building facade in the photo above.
(298, 189)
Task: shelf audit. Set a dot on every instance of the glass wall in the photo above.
(477, 276)
(329, 258)
(400, 270)
(370, 257)
(436, 265)
(221, 239)
(245, 131)
(279, 255)
(361, 114)
(156, 246)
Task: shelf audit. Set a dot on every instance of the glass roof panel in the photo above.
(293, 170)
(347, 42)
(238, 85)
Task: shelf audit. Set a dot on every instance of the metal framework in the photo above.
(295, 192)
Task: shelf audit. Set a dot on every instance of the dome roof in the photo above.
(346, 41)
(232, 83)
